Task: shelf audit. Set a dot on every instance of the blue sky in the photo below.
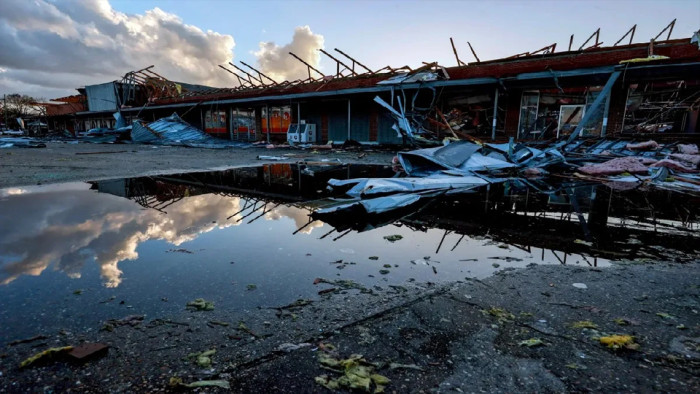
(408, 32)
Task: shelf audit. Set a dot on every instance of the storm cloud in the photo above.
(49, 48)
(275, 61)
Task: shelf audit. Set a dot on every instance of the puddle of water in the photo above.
(74, 255)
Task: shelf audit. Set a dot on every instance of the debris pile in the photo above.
(463, 167)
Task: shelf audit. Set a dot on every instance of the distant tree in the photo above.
(21, 106)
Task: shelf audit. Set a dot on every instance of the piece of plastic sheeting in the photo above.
(379, 186)
(479, 162)
(430, 160)
(376, 205)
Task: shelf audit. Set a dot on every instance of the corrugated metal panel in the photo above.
(101, 97)
(175, 131)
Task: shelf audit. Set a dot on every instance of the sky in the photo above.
(50, 47)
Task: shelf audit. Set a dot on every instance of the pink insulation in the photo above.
(688, 149)
(648, 145)
(617, 166)
(686, 158)
(673, 165)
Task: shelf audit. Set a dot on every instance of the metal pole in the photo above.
(267, 115)
(348, 119)
(604, 128)
(230, 124)
(495, 115)
(4, 110)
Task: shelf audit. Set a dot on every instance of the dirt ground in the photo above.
(537, 329)
(63, 162)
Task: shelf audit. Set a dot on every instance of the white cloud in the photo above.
(50, 48)
(275, 60)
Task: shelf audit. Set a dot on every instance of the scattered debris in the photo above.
(619, 341)
(501, 314)
(200, 304)
(532, 342)
(405, 366)
(131, 320)
(579, 285)
(357, 373)
(290, 347)
(584, 324)
(177, 382)
(27, 340)
(87, 351)
(202, 359)
(45, 355)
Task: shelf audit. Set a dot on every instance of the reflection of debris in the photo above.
(180, 250)
(393, 238)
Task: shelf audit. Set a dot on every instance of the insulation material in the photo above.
(692, 159)
(688, 149)
(674, 165)
(648, 145)
(617, 166)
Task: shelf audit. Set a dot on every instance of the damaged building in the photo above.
(643, 88)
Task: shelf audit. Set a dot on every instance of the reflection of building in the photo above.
(538, 95)
(508, 213)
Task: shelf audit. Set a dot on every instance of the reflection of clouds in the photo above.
(69, 227)
(13, 191)
(300, 217)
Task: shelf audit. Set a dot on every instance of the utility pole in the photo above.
(4, 109)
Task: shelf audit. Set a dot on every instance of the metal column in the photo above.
(267, 115)
(349, 119)
(495, 115)
(230, 124)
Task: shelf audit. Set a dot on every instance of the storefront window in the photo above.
(280, 118)
(215, 122)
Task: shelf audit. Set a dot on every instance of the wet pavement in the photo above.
(76, 255)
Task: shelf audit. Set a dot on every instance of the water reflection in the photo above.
(72, 225)
(66, 226)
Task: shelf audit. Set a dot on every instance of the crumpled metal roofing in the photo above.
(172, 130)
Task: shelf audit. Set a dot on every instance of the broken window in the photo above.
(662, 107)
(215, 123)
(546, 114)
(243, 124)
(528, 115)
